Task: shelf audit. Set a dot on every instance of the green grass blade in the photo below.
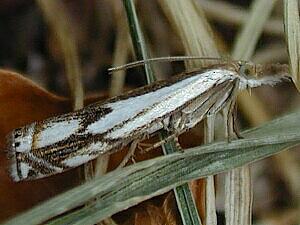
(119, 190)
(137, 37)
(186, 206)
(238, 188)
(184, 197)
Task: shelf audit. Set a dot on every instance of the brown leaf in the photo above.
(198, 190)
(154, 215)
(170, 210)
(149, 214)
(23, 102)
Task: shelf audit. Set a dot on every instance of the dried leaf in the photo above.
(198, 189)
(23, 102)
(155, 216)
(170, 210)
(150, 214)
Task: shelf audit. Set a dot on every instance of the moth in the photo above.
(54, 145)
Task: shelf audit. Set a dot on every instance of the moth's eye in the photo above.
(247, 71)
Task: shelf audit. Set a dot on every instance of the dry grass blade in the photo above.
(209, 134)
(192, 28)
(195, 33)
(185, 201)
(243, 49)
(270, 53)
(238, 196)
(225, 12)
(238, 189)
(121, 52)
(61, 26)
(292, 31)
(247, 39)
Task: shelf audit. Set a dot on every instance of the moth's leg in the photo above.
(229, 121)
(175, 124)
(232, 115)
(166, 123)
(183, 121)
(227, 108)
(142, 146)
(158, 144)
(234, 121)
(177, 144)
(129, 154)
(165, 140)
(179, 127)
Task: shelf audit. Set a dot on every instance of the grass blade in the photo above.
(292, 31)
(186, 205)
(238, 188)
(247, 39)
(197, 39)
(126, 187)
(137, 37)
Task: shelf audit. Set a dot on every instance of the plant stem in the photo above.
(185, 202)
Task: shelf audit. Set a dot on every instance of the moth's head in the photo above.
(246, 69)
(254, 75)
(19, 143)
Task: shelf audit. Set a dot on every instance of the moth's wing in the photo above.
(22, 141)
(210, 102)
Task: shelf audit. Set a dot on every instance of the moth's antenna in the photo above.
(163, 59)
